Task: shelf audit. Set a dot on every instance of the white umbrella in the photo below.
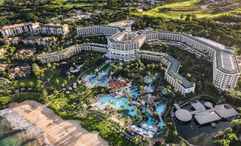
(133, 126)
(144, 125)
(150, 127)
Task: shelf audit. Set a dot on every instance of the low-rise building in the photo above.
(45, 41)
(20, 71)
(13, 30)
(34, 28)
(53, 29)
(25, 53)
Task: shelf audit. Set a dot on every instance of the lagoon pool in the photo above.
(160, 110)
(148, 79)
(100, 79)
(148, 89)
(116, 103)
(134, 92)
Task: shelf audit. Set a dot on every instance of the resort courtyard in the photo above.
(135, 102)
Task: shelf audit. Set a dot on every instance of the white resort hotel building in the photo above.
(13, 30)
(34, 28)
(125, 45)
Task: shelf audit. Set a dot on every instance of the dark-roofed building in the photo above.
(206, 117)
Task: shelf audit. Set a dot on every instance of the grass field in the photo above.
(1, 2)
(71, 5)
(174, 10)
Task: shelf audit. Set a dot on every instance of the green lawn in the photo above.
(68, 5)
(106, 130)
(28, 82)
(71, 5)
(184, 8)
(1, 2)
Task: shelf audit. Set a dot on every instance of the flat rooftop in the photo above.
(203, 115)
(206, 117)
(225, 111)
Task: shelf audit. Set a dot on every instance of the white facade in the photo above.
(70, 51)
(13, 30)
(124, 45)
(39, 40)
(52, 29)
(225, 67)
(171, 74)
(102, 30)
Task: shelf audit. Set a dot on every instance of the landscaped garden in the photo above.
(125, 102)
(179, 9)
(195, 70)
(137, 95)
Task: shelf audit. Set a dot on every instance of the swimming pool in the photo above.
(148, 79)
(160, 110)
(101, 78)
(134, 92)
(116, 103)
(148, 89)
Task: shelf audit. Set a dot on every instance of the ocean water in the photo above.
(10, 137)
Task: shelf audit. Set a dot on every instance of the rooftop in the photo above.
(183, 115)
(16, 25)
(225, 111)
(203, 115)
(173, 71)
(206, 117)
